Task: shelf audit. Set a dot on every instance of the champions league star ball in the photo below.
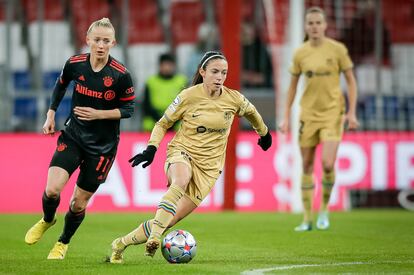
(179, 247)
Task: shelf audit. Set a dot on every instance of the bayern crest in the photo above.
(108, 81)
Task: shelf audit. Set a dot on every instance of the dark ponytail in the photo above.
(207, 57)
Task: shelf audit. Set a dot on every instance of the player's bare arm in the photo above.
(284, 125)
(350, 117)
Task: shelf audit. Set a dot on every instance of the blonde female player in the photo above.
(103, 94)
(321, 60)
(195, 156)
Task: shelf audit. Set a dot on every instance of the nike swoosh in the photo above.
(196, 115)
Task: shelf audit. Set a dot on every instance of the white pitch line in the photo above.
(286, 267)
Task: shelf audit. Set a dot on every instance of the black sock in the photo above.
(49, 207)
(72, 222)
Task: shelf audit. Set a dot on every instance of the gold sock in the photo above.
(307, 196)
(328, 180)
(166, 211)
(139, 235)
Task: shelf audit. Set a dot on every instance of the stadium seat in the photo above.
(403, 62)
(64, 108)
(369, 114)
(391, 107)
(398, 14)
(393, 114)
(19, 57)
(409, 110)
(361, 113)
(21, 80)
(26, 111)
(281, 15)
(56, 46)
(25, 108)
(3, 11)
(2, 45)
(84, 12)
(144, 24)
(49, 79)
(365, 75)
(349, 11)
(53, 10)
(392, 111)
(186, 17)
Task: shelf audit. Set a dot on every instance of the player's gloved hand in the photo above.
(265, 141)
(147, 156)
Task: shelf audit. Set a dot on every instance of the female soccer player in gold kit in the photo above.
(321, 60)
(195, 156)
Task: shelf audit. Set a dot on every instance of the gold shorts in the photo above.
(200, 183)
(311, 133)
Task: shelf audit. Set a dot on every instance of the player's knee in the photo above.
(307, 168)
(52, 193)
(77, 205)
(328, 166)
(180, 181)
(77, 208)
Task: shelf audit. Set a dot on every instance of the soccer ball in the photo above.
(179, 246)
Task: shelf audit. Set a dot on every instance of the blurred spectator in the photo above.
(160, 90)
(359, 36)
(206, 41)
(257, 66)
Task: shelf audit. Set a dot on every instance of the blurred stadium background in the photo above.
(377, 162)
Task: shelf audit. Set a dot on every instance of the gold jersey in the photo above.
(205, 125)
(322, 99)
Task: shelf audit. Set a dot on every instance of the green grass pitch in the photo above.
(359, 241)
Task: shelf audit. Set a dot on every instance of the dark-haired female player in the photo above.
(195, 156)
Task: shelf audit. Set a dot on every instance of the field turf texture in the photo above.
(358, 242)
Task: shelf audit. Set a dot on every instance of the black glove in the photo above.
(265, 141)
(147, 156)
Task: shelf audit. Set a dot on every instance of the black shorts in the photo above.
(93, 168)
